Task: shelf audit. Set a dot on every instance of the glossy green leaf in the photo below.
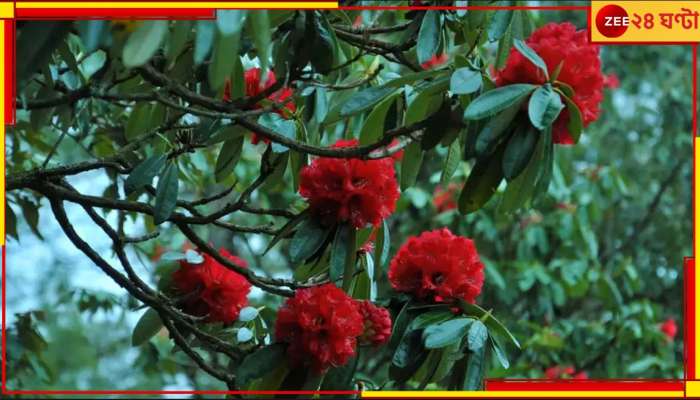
(454, 156)
(522, 188)
(144, 42)
(228, 157)
(530, 54)
(144, 172)
(500, 22)
(365, 99)
(493, 101)
(482, 183)
(178, 39)
(446, 333)
(373, 128)
(475, 370)
(476, 338)
(223, 60)
(261, 32)
(544, 107)
(575, 124)
(429, 318)
(287, 229)
(308, 238)
(339, 252)
(494, 325)
(255, 365)
(410, 165)
(147, 326)
(519, 151)
(429, 36)
(166, 193)
(495, 130)
(465, 81)
(500, 353)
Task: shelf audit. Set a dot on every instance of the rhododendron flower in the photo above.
(444, 199)
(360, 192)
(438, 266)
(435, 61)
(377, 326)
(212, 290)
(669, 328)
(580, 375)
(611, 81)
(321, 325)
(561, 44)
(254, 86)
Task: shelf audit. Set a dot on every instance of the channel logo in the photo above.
(612, 21)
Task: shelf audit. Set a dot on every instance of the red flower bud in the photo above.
(377, 327)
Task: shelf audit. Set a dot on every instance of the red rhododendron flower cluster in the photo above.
(254, 86)
(444, 199)
(435, 61)
(358, 191)
(211, 289)
(558, 372)
(580, 68)
(669, 328)
(377, 328)
(322, 325)
(438, 266)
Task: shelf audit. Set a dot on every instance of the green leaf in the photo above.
(144, 172)
(430, 318)
(138, 121)
(482, 183)
(547, 162)
(446, 333)
(178, 39)
(429, 36)
(223, 60)
(373, 128)
(522, 188)
(493, 325)
(409, 353)
(465, 81)
(519, 151)
(496, 100)
(410, 165)
(281, 126)
(350, 254)
(422, 107)
(500, 353)
(382, 244)
(144, 42)
(30, 211)
(503, 51)
(259, 363)
(69, 58)
(148, 325)
(308, 238)
(454, 153)
(365, 99)
(544, 107)
(204, 38)
(230, 22)
(475, 370)
(530, 54)
(401, 323)
(35, 44)
(261, 32)
(476, 338)
(495, 130)
(323, 57)
(340, 378)
(339, 252)
(11, 224)
(575, 125)
(166, 193)
(287, 229)
(228, 157)
(498, 26)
